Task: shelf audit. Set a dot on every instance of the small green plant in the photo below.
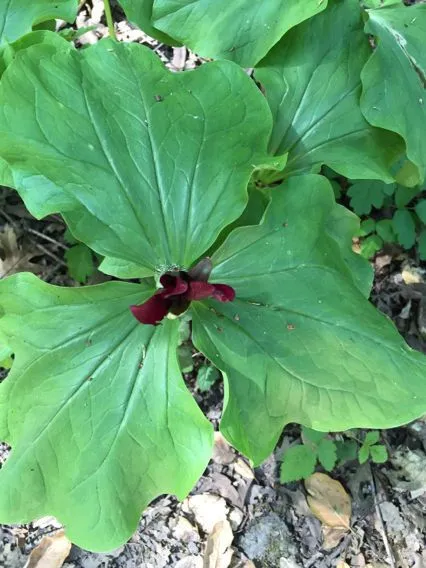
(371, 449)
(79, 258)
(404, 221)
(300, 461)
(206, 377)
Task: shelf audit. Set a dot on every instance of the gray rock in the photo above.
(267, 540)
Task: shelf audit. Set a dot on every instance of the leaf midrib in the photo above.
(112, 167)
(84, 382)
(372, 338)
(303, 381)
(306, 133)
(136, 376)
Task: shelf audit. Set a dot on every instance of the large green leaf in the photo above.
(379, 3)
(342, 225)
(394, 78)
(301, 343)
(242, 30)
(312, 84)
(146, 166)
(9, 51)
(7, 54)
(123, 269)
(140, 13)
(18, 16)
(95, 409)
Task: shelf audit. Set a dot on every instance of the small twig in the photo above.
(50, 272)
(8, 219)
(384, 535)
(51, 254)
(46, 238)
(109, 19)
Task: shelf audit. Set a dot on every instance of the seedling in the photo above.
(300, 461)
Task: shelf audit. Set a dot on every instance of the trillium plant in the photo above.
(202, 191)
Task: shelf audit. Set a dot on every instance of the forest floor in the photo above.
(237, 516)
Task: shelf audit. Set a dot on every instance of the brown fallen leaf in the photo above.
(207, 510)
(219, 484)
(51, 552)
(185, 531)
(412, 274)
(223, 454)
(331, 536)
(12, 258)
(330, 503)
(243, 469)
(218, 552)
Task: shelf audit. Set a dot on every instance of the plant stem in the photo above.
(110, 21)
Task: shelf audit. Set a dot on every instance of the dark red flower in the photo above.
(178, 290)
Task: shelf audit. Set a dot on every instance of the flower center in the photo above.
(178, 290)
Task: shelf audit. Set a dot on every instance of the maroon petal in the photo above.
(223, 293)
(201, 271)
(173, 285)
(200, 290)
(152, 311)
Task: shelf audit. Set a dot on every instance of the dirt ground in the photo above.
(245, 515)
